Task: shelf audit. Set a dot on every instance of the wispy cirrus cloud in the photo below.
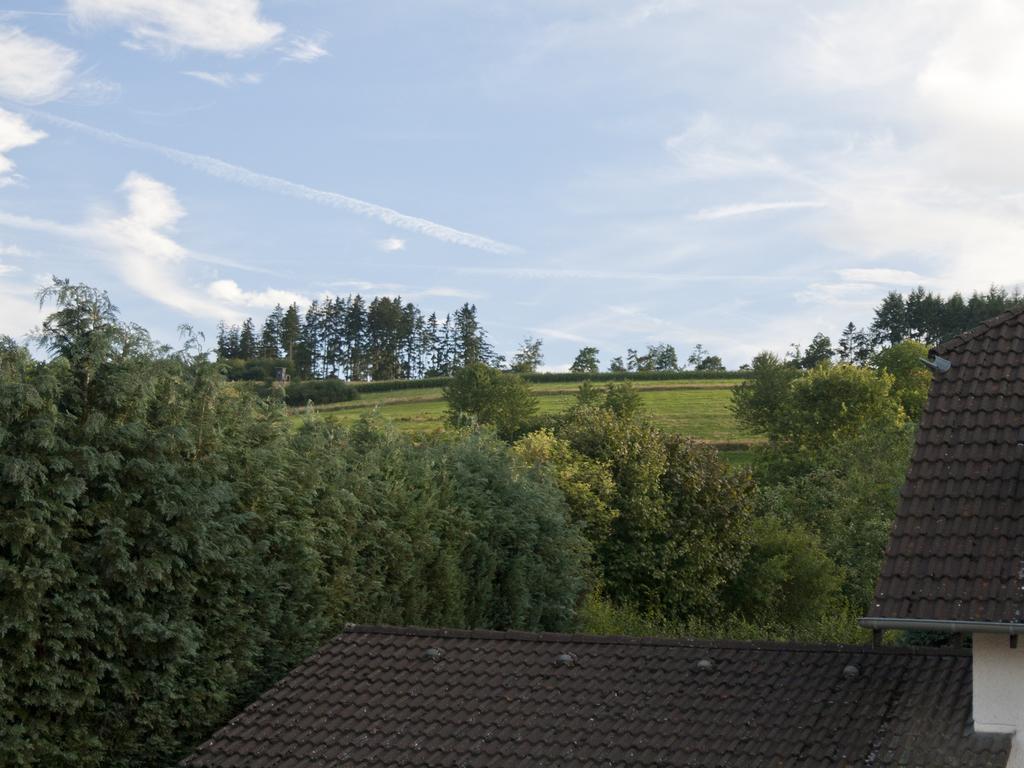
(881, 276)
(405, 291)
(230, 27)
(304, 49)
(746, 209)
(225, 79)
(569, 273)
(255, 180)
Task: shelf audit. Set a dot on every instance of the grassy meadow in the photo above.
(695, 408)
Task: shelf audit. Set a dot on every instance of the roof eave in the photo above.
(938, 625)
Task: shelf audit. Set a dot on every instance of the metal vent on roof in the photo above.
(937, 364)
(433, 654)
(705, 665)
(851, 671)
(565, 660)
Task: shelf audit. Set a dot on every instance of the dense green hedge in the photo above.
(319, 391)
(540, 378)
(324, 391)
(170, 545)
(399, 384)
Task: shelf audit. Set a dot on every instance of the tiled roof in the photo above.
(410, 697)
(956, 546)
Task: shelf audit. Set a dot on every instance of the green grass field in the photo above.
(697, 409)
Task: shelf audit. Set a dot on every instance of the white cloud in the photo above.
(231, 27)
(745, 209)
(229, 291)
(34, 70)
(549, 273)
(18, 314)
(140, 246)
(882, 276)
(243, 176)
(709, 149)
(391, 244)
(405, 291)
(14, 133)
(304, 49)
(557, 333)
(225, 79)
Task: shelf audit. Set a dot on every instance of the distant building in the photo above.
(389, 696)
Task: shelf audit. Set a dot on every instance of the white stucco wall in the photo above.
(998, 683)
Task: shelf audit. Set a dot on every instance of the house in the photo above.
(955, 560)
(391, 696)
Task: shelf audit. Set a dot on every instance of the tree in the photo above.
(622, 399)
(806, 415)
(847, 499)
(270, 338)
(679, 527)
(470, 340)
(636, 362)
(528, 357)
(819, 351)
(155, 525)
(247, 348)
(758, 402)
(488, 396)
(387, 331)
(586, 361)
(890, 323)
(697, 356)
(291, 330)
(662, 357)
(701, 360)
(172, 545)
(352, 334)
(847, 344)
(911, 379)
(310, 352)
(586, 483)
(615, 365)
(786, 577)
(227, 341)
(711, 363)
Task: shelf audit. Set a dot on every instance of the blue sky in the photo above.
(739, 175)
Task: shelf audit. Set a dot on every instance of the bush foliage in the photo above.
(169, 545)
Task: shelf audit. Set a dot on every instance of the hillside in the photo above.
(696, 408)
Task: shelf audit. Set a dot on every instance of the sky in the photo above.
(739, 175)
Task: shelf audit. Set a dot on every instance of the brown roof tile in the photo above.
(956, 547)
(382, 696)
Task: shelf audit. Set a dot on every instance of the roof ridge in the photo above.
(954, 342)
(560, 637)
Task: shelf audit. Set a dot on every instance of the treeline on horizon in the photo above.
(387, 339)
(919, 315)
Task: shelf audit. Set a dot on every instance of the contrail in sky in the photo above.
(239, 175)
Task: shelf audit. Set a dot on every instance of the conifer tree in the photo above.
(247, 348)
